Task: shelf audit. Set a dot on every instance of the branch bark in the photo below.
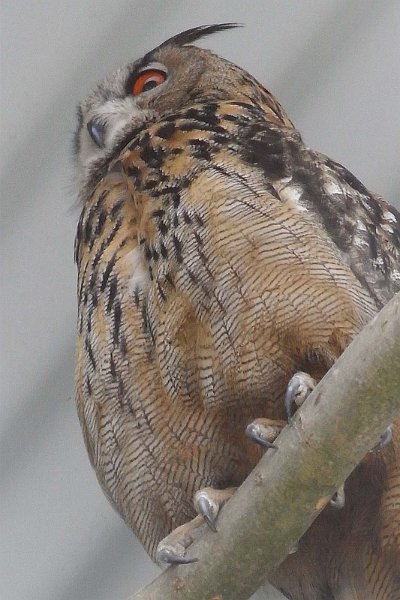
(337, 425)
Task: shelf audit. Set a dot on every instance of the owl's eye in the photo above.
(147, 80)
(97, 132)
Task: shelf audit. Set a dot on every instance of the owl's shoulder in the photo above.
(364, 228)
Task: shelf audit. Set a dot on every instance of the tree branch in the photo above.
(338, 424)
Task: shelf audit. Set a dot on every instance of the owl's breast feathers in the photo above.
(243, 251)
(216, 257)
(264, 154)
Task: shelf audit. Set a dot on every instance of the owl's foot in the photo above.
(207, 502)
(299, 388)
(172, 549)
(265, 431)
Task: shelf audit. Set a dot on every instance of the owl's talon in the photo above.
(264, 432)
(172, 549)
(385, 440)
(206, 508)
(209, 501)
(299, 388)
(338, 500)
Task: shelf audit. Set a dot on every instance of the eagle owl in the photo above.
(223, 266)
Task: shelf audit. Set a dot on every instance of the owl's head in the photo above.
(173, 76)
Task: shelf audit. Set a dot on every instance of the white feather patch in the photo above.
(331, 187)
(388, 216)
(140, 277)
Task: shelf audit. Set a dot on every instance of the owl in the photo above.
(223, 267)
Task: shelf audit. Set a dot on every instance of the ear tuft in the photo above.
(196, 33)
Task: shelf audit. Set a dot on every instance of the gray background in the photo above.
(335, 67)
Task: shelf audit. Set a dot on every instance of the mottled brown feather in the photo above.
(217, 255)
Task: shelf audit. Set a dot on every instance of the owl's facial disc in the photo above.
(113, 117)
(108, 118)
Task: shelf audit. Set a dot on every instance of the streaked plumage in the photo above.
(217, 255)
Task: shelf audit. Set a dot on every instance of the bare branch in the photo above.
(341, 420)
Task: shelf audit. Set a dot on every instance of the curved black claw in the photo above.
(172, 556)
(338, 500)
(205, 509)
(386, 438)
(255, 432)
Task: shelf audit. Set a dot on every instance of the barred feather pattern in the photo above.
(217, 255)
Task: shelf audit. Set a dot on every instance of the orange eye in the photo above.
(148, 80)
